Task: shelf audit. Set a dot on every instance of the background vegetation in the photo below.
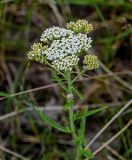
(22, 134)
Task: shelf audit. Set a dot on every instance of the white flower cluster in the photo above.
(65, 64)
(37, 52)
(53, 33)
(72, 45)
(64, 46)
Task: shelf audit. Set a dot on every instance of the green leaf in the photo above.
(81, 2)
(88, 113)
(60, 81)
(4, 94)
(123, 4)
(86, 153)
(51, 122)
(77, 93)
(68, 104)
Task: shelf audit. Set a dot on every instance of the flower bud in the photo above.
(80, 26)
(37, 53)
(91, 62)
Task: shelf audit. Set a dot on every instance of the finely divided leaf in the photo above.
(51, 122)
(88, 113)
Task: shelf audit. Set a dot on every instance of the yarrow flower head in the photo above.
(66, 63)
(37, 52)
(91, 62)
(73, 45)
(64, 46)
(53, 33)
(80, 26)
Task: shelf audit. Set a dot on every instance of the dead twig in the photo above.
(109, 123)
(57, 108)
(30, 90)
(107, 70)
(114, 152)
(55, 10)
(113, 138)
(55, 84)
(12, 153)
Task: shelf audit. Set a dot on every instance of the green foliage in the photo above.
(77, 92)
(87, 113)
(86, 153)
(123, 3)
(4, 94)
(52, 122)
(21, 23)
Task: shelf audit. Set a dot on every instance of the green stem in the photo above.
(71, 114)
(78, 76)
(72, 126)
(69, 81)
(78, 139)
(82, 127)
(78, 154)
(71, 118)
(81, 137)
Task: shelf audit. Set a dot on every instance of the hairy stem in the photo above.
(71, 114)
(72, 126)
(71, 119)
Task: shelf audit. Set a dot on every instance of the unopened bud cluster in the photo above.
(37, 53)
(61, 47)
(80, 26)
(91, 62)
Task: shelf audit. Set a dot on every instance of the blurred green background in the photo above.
(21, 24)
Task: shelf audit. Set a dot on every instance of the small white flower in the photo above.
(53, 33)
(71, 45)
(66, 63)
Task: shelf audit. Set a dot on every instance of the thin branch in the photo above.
(30, 90)
(55, 84)
(57, 108)
(55, 10)
(109, 123)
(113, 138)
(109, 83)
(114, 152)
(12, 153)
(107, 70)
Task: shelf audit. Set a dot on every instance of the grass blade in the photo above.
(51, 122)
(88, 113)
